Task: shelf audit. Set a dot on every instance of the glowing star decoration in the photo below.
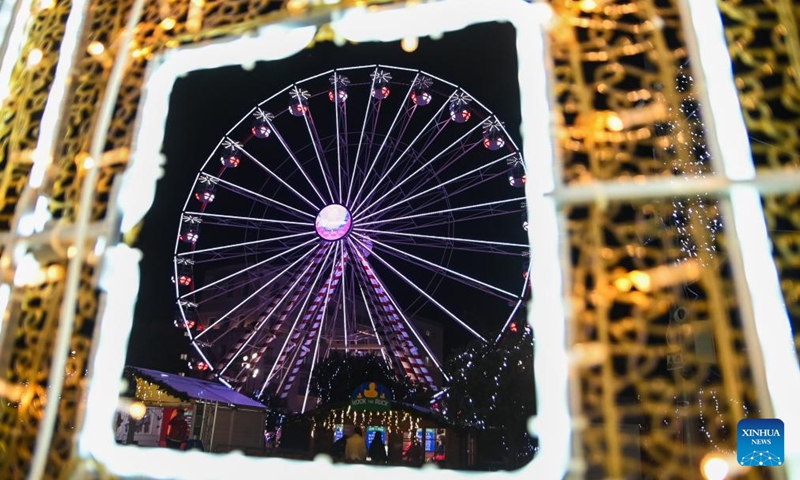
(381, 76)
(333, 222)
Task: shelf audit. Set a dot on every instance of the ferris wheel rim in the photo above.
(358, 231)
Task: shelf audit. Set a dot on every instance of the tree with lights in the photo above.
(491, 387)
(337, 376)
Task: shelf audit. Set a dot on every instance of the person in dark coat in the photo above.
(377, 450)
(337, 452)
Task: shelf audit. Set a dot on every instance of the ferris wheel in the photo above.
(338, 212)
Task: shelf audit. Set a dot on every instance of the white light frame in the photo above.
(120, 272)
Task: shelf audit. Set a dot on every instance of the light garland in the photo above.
(150, 393)
(393, 420)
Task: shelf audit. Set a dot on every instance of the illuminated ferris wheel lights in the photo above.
(261, 129)
(494, 143)
(189, 236)
(421, 97)
(460, 115)
(182, 324)
(298, 109)
(381, 92)
(516, 176)
(198, 365)
(339, 95)
(230, 160)
(205, 195)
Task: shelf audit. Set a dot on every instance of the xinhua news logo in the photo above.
(760, 442)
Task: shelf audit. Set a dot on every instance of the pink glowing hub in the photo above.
(333, 222)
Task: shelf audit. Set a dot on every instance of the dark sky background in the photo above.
(206, 104)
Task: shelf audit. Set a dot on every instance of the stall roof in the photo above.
(195, 388)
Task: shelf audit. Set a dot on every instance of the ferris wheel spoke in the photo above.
(325, 304)
(379, 288)
(433, 199)
(258, 290)
(425, 294)
(266, 317)
(238, 189)
(372, 111)
(479, 178)
(476, 249)
(343, 303)
(227, 257)
(315, 142)
(403, 108)
(242, 221)
(433, 267)
(306, 333)
(436, 187)
(256, 265)
(215, 293)
(245, 244)
(372, 323)
(275, 176)
(384, 320)
(459, 148)
(341, 128)
(476, 214)
(443, 212)
(297, 162)
(209, 343)
(483, 179)
(439, 238)
(428, 133)
(289, 334)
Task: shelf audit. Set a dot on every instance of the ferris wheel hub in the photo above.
(333, 222)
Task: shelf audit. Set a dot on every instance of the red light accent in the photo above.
(205, 196)
(460, 116)
(202, 366)
(261, 130)
(298, 109)
(513, 327)
(421, 98)
(185, 280)
(187, 324)
(382, 92)
(493, 143)
(188, 237)
(230, 161)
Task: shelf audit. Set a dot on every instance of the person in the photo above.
(377, 451)
(415, 455)
(339, 446)
(438, 455)
(355, 449)
(178, 431)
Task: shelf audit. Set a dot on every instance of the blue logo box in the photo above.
(759, 442)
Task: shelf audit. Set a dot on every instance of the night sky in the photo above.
(205, 104)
